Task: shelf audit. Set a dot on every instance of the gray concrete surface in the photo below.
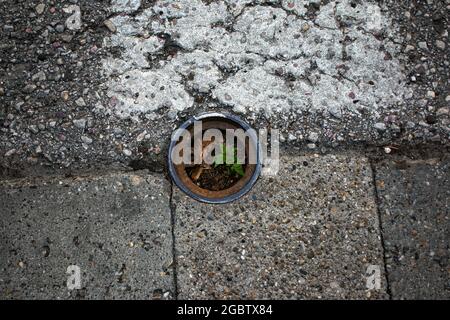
(115, 228)
(310, 232)
(93, 86)
(414, 205)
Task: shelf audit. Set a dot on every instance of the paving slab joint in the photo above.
(377, 205)
(172, 207)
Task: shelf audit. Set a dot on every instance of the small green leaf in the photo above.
(238, 169)
(222, 158)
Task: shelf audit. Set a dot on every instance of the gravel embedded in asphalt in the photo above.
(327, 68)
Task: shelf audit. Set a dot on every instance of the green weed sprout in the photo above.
(222, 156)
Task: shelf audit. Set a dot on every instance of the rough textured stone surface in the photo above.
(116, 228)
(94, 86)
(135, 69)
(414, 205)
(310, 232)
(268, 58)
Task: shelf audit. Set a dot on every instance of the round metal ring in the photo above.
(241, 188)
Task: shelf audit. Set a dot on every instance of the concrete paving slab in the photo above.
(115, 228)
(312, 231)
(414, 205)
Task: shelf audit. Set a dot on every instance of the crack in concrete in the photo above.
(380, 224)
(174, 252)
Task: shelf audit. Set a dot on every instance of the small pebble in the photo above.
(29, 88)
(40, 8)
(380, 126)
(59, 28)
(10, 152)
(110, 25)
(442, 111)
(440, 44)
(141, 136)
(409, 48)
(65, 95)
(313, 137)
(86, 139)
(40, 76)
(33, 128)
(80, 102)
(423, 45)
(80, 123)
(335, 111)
